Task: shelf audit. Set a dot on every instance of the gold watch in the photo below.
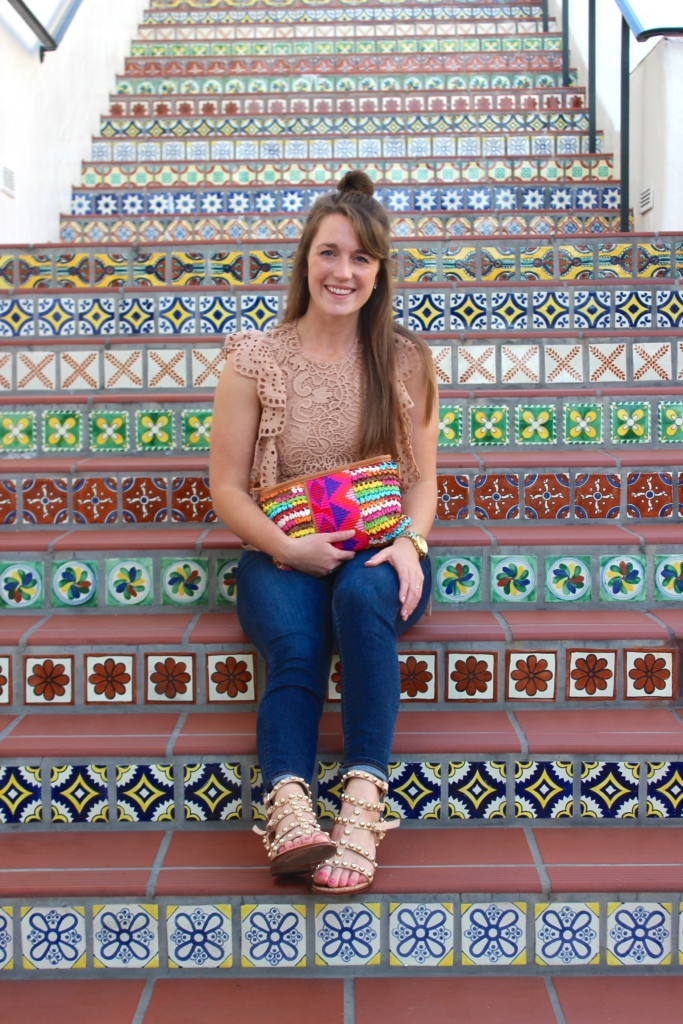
(419, 543)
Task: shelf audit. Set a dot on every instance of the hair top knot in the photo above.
(356, 181)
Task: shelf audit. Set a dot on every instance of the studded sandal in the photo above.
(298, 806)
(346, 851)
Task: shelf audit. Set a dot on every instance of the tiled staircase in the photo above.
(538, 764)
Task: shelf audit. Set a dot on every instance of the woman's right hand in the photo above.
(316, 554)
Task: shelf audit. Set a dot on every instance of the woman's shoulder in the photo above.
(407, 355)
(248, 341)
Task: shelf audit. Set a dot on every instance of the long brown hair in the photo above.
(381, 423)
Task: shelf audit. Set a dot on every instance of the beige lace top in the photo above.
(310, 411)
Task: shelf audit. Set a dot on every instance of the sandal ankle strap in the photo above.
(356, 773)
(268, 798)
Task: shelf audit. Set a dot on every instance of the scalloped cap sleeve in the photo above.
(407, 365)
(254, 358)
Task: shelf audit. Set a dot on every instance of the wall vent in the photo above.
(7, 182)
(647, 199)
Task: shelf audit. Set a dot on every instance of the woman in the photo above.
(336, 382)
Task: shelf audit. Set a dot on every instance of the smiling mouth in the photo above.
(341, 292)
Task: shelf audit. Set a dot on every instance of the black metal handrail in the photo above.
(48, 41)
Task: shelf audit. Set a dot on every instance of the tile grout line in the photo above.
(524, 743)
(145, 998)
(554, 1000)
(349, 1001)
(538, 860)
(158, 862)
(182, 718)
(8, 728)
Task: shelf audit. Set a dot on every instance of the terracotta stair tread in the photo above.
(436, 860)
(141, 733)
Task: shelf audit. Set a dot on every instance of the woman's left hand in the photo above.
(406, 561)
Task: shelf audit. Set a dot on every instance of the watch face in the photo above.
(421, 544)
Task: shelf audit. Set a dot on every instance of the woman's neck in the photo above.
(327, 339)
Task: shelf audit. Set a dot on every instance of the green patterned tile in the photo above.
(457, 580)
(129, 582)
(184, 581)
(630, 422)
(154, 429)
(74, 583)
(582, 424)
(622, 578)
(535, 424)
(196, 429)
(226, 582)
(21, 584)
(567, 579)
(670, 422)
(450, 426)
(109, 431)
(18, 433)
(489, 425)
(669, 577)
(513, 579)
(62, 430)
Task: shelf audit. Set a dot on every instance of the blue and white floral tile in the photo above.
(213, 791)
(421, 934)
(230, 677)
(79, 793)
(414, 790)
(184, 581)
(567, 934)
(5, 680)
(74, 583)
(258, 809)
(20, 794)
(110, 679)
(638, 934)
(649, 674)
(126, 935)
(49, 680)
(493, 934)
(329, 789)
(591, 675)
(544, 789)
(199, 936)
(53, 938)
(472, 675)
(144, 792)
(6, 938)
(665, 789)
(273, 935)
(609, 789)
(476, 789)
(347, 934)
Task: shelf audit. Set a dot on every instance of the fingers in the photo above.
(380, 557)
(340, 535)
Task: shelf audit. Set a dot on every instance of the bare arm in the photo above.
(236, 417)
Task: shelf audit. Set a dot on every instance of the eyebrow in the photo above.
(334, 245)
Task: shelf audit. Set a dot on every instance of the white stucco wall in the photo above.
(50, 111)
(657, 136)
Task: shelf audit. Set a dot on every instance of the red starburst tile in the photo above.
(453, 497)
(418, 675)
(649, 495)
(170, 678)
(546, 496)
(95, 500)
(45, 501)
(597, 495)
(144, 499)
(191, 500)
(496, 496)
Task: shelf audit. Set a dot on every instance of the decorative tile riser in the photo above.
(489, 675)
(50, 793)
(198, 14)
(133, 231)
(435, 99)
(175, 930)
(328, 83)
(542, 576)
(336, 47)
(512, 265)
(431, 309)
(287, 201)
(197, 41)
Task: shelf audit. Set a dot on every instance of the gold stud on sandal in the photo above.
(346, 852)
(298, 806)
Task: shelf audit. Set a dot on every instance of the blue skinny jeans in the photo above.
(293, 619)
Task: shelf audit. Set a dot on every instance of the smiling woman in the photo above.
(338, 381)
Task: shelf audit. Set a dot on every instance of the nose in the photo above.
(342, 271)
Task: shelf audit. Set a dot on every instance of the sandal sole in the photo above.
(301, 858)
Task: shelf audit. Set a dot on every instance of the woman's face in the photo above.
(340, 275)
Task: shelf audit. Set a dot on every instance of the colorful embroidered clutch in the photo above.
(363, 496)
